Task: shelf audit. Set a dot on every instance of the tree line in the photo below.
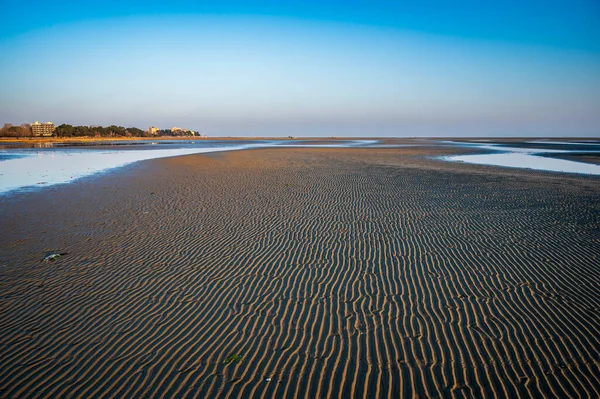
(9, 130)
(66, 130)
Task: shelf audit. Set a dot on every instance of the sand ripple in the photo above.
(333, 273)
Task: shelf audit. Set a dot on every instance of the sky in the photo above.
(306, 68)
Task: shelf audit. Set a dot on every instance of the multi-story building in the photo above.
(153, 130)
(177, 131)
(42, 129)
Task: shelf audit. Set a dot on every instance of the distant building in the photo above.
(153, 130)
(177, 131)
(42, 129)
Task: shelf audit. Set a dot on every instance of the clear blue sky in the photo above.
(306, 68)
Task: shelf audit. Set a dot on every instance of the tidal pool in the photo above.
(526, 158)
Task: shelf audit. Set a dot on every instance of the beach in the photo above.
(303, 272)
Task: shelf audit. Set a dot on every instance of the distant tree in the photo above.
(26, 129)
(114, 131)
(9, 130)
(135, 132)
(4, 129)
(64, 130)
(97, 131)
(82, 131)
(15, 131)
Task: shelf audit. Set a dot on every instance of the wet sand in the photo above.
(329, 272)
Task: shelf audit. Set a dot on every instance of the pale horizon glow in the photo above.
(275, 76)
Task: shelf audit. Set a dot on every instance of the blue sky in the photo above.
(353, 68)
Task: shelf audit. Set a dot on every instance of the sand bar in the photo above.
(317, 272)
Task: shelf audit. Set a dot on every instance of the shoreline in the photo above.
(47, 169)
(329, 272)
(302, 138)
(163, 138)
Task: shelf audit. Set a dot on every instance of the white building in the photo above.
(42, 129)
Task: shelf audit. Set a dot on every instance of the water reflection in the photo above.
(527, 158)
(31, 168)
(44, 164)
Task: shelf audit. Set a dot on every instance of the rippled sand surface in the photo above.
(315, 272)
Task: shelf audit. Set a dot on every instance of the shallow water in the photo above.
(526, 158)
(45, 168)
(593, 143)
(27, 169)
(529, 161)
